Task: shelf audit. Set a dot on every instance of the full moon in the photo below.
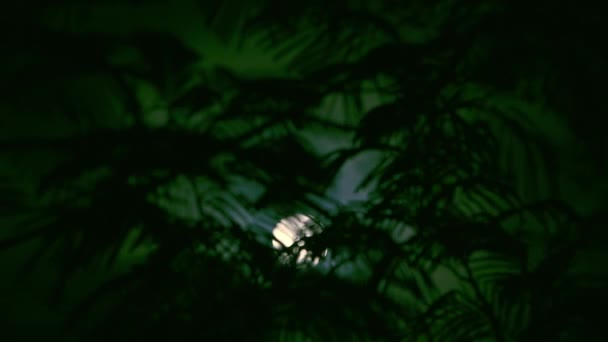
(290, 230)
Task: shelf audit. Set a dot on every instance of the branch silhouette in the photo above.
(223, 163)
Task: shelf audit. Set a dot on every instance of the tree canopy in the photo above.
(408, 149)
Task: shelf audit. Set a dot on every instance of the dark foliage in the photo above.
(229, 158)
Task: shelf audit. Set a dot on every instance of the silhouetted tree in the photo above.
(198, 165)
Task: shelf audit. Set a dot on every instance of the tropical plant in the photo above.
(197, 166)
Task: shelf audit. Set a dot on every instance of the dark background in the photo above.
(541, 64)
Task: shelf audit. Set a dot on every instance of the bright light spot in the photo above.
(289, 231)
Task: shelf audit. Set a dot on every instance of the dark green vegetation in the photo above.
(144, 168)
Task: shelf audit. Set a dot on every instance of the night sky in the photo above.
(36, 112)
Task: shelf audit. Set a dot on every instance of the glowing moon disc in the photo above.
(290, 230)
